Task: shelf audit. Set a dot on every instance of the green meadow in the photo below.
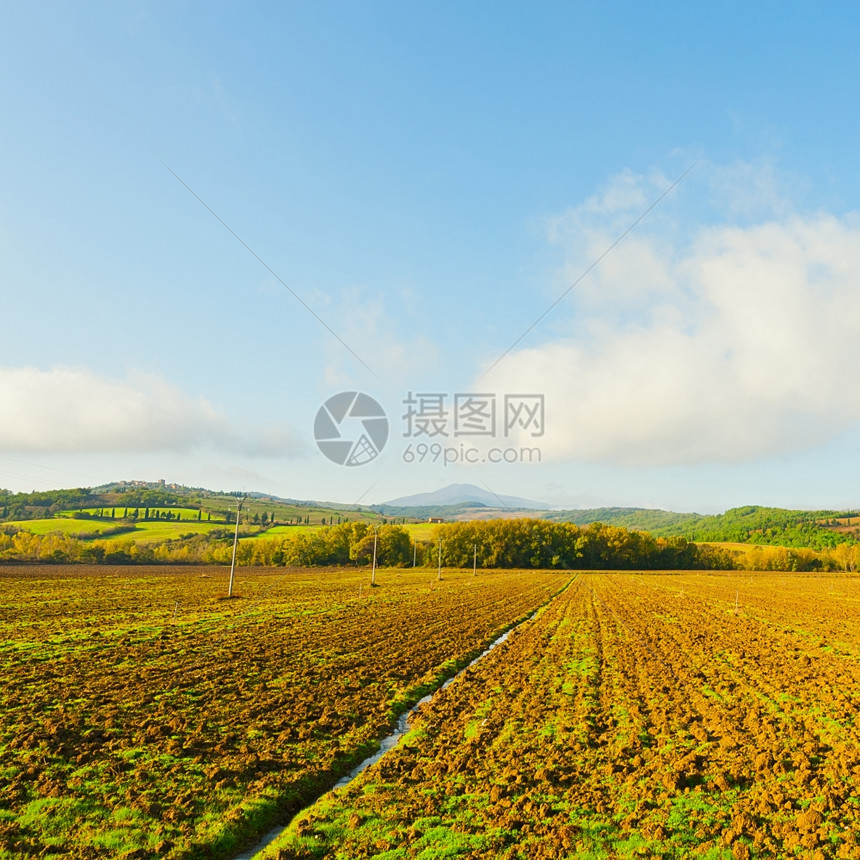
(64, 526)
(420, 531)
(149, 531)
(158, 530)
(289, 530)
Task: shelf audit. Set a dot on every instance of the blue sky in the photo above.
(428, 179)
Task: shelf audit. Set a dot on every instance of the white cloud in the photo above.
(721, 343)
(745, 190)
(394, 351)
(66, 410)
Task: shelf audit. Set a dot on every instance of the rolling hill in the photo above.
(131, 507)
(463, 494)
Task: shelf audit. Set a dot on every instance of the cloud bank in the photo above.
(719, 343)
(66, 410)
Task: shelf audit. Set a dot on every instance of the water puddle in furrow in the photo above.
(386, 744)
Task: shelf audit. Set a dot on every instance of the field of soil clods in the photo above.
(659, 715)
(141, 716)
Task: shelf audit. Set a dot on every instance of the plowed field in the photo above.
(142, 717)
(662, 715)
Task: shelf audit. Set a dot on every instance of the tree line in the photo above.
(519, 543)
(522, 543)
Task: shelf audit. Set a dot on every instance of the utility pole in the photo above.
(235, 545)
(475, 562)
(439, 573)
(373, 569)
(414, 552)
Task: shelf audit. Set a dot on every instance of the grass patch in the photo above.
(64, 526)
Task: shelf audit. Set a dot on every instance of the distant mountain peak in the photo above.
(460, 494)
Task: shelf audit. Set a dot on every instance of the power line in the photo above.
(586, 272)
(274, 274)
